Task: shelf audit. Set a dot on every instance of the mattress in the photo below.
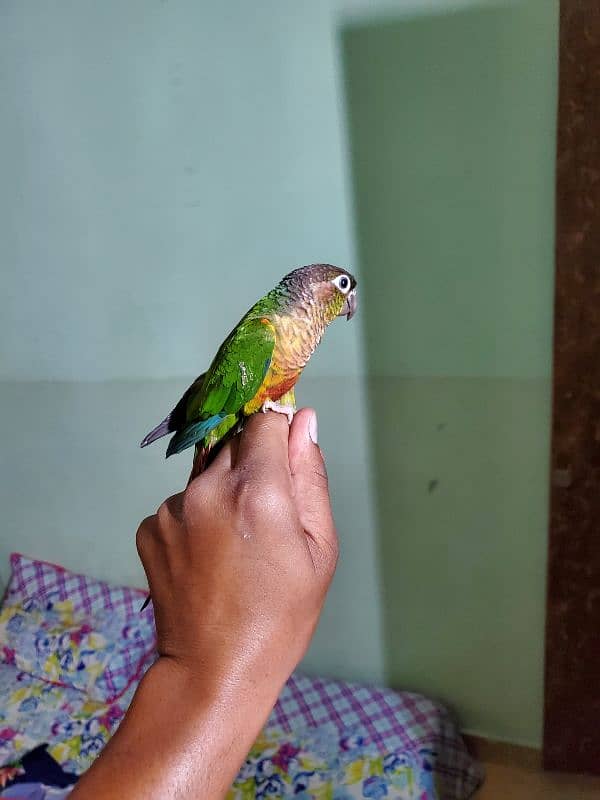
(325, 739)
(326, 733)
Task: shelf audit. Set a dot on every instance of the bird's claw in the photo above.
(270, 405)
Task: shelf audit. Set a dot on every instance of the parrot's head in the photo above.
(331, 288)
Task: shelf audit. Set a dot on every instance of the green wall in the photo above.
(74, 486)
(163, 165)
(451, 119)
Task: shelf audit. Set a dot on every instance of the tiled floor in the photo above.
(520, 783)
(515, 773)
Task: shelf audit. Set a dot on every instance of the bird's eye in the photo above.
(343, 283)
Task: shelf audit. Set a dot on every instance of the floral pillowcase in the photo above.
(93, 655)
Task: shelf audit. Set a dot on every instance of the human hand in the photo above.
(238, 566)
(240, 562)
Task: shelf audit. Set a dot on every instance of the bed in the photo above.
(73, 649)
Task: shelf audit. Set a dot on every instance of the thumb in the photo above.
(311, 489)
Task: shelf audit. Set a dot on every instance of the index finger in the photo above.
(264, 444)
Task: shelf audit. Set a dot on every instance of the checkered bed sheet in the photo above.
(46, 582)
(33, 578)
(393, 721)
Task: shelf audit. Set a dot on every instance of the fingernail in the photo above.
(313, 428)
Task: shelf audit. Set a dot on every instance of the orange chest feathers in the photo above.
(295, 342)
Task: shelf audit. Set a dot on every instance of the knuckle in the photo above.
(143, 534)
(164, 515)
(265, 499)
(194, 498)
(168, 519)
(255, 499)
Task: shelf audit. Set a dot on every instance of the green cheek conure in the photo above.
(258, 364)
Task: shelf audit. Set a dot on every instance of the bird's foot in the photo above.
(270, 405)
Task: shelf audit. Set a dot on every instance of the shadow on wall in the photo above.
(451, 121)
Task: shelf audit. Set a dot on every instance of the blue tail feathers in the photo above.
(193, 433)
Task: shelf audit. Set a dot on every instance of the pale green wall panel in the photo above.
(461, 484)
(74, 486)
(452, 129)
(452, 120)
(163, 163)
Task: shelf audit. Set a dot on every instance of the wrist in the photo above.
(200, 725)
(227, 667)
(197, 691)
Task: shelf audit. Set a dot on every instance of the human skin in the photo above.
(238, 567)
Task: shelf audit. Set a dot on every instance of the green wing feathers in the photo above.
(237, 371)
(232, 380)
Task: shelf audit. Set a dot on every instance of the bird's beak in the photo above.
(350, 306)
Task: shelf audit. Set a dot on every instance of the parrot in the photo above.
(258, 364)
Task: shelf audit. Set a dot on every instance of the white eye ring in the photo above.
(343, 283)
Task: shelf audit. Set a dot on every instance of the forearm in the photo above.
(238, 567)
(181, 737)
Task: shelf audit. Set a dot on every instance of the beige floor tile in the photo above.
(518, 783)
